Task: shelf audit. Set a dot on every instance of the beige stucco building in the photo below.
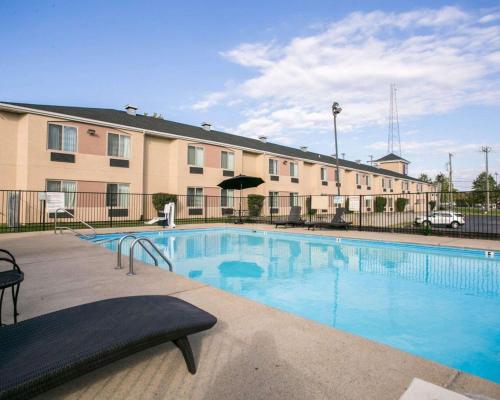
(76, 149)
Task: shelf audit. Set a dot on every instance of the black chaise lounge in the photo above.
(293, 219)
(46, 351)
(336, 222)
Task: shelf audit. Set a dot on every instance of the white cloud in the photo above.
(441, 59)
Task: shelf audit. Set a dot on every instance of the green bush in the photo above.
(160, 199)
(310, 211)
(401, 204)
(255, 204)
(432, 204)
(380, 203)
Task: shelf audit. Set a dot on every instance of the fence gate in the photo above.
(13, 209)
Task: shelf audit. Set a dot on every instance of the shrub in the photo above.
(255, 204)
(380, 203)
(432, 204)
(160, 199)
(310, 211)
(401, 204)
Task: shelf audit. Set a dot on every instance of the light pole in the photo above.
(336, 110)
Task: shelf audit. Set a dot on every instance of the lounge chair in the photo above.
(336, 222)
(46, 351)
(293, 219)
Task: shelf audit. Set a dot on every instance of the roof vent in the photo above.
(303, 148)
(263, 139)
(131, 110)
(206, 126)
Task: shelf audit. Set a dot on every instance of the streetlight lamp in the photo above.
(335, 111)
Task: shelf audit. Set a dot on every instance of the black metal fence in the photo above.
(461, 214)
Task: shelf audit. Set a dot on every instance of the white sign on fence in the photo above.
(55, 200)
(337, 200)
(353, 203)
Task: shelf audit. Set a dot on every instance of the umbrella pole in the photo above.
(241, 188)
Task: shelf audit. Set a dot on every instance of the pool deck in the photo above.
(254, 351)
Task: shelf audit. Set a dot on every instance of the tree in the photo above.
(425, 178)
(479, 188)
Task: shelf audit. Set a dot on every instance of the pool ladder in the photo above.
(139, 241)
(60, 228)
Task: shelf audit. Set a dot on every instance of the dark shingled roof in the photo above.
(149, 123)
(391, 157)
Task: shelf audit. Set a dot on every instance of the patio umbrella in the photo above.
(241, 182)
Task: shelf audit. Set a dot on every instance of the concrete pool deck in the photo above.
(254, 352)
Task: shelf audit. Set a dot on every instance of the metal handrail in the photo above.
(94, 233)
(131, 255)
(119, 252)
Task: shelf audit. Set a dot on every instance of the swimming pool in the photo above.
(440, 303)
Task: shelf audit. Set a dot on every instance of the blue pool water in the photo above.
(436, 302)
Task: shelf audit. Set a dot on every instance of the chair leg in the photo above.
(1, 302)
(15, 294)
(185, 348)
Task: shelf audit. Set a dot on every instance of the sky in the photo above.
(273, 68)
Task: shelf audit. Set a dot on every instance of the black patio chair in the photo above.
(11, 278)
(336, 222)
(43, 352)
(294, 218)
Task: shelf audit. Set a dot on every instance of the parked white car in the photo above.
(446, 218)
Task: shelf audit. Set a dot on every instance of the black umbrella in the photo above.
(241, 182)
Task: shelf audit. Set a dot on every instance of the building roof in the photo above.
(391, 157)
(149, 123)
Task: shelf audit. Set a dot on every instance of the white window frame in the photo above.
(357, 178)
(62, 138)
(295, 167)
(67, 195)
(120, 136)
(323, 177)
(368, 180)
(276, 167)
(196, 196)
(195, 158)
(120, 203)
(227, 198)
(274, 199)
(229, 153)
(294, 199)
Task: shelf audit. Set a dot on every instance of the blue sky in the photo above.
(274, 68)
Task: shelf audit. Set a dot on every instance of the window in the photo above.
(405, 169)
(324, 174)
(368, 180)
(368, 203)
(69, 187)
(386, 183)
(227, 160)
(195, 156)
(273, 167)
(419, 187)
(195, 197)
(357, 179)
(227, 198)
(118, 145)
(294, 199)
(62, 137)
(273, 199)
(117, 195)
(406, 185)
(294, 170)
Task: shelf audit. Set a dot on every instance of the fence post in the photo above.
(427, 205)
(360, 211)
(309, 209)
(111, 215)
(205, 208)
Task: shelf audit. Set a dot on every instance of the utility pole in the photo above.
(336, 111)
(486, 150)
(450, 177)
(371, 159)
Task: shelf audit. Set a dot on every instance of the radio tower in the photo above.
(393, 138)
